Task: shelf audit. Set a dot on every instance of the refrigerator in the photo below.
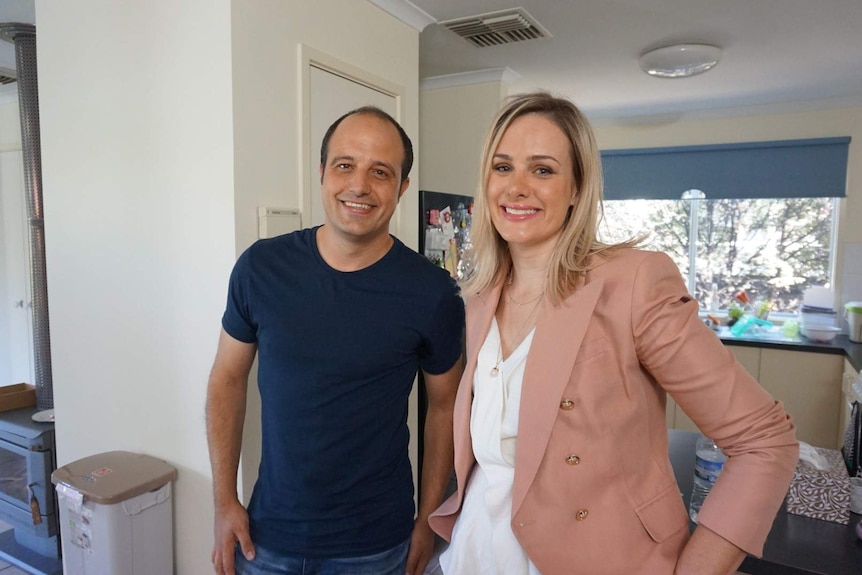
(444, 230)
(444, 238)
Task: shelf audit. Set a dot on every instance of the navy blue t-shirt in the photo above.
(337, 355)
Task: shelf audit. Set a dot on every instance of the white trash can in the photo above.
(116, 515)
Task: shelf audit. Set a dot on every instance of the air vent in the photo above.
(7, 76)
(496, 28)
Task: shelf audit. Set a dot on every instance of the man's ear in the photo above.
(404, 185)
(321, 173)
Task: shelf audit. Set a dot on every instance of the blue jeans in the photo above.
(390, 562)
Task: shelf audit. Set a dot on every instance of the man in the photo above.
(341, 315)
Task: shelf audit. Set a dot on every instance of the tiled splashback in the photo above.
(851, 277)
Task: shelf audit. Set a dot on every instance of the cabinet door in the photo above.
(675, 417)
(809, 385)
(748, 357)
(682, 421)
(670, 413)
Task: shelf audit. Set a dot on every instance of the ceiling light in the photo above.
(680, 60)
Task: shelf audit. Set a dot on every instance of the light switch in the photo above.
(277, 221)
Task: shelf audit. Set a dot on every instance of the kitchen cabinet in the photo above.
(807, 383)
(748, 357)
(679, 418)
(850, 377)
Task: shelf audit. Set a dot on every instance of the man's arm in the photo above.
(225, 413)
(437, 462)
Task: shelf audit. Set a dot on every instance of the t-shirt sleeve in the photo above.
(442, 346)
(237, 319)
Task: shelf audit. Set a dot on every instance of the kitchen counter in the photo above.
(841, 345)
(796, 545)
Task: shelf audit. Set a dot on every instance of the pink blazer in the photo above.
(594, 491)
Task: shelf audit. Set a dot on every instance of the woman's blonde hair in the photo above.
(571, 257)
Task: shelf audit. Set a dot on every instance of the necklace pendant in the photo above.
(495, 370)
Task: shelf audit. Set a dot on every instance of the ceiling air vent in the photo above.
(496, 28)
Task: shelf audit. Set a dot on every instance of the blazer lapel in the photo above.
(480, 310)
(559, 333)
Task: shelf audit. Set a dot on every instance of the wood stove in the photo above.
(27, 499)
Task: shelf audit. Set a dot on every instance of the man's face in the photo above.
(361, 181)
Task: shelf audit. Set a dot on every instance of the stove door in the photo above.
(25, 476)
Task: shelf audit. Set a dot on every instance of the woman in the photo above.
(572, 345)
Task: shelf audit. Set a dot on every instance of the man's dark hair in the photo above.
(406, 164)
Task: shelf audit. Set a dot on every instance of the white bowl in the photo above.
(820, 332)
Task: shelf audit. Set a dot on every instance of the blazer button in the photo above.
(567, 405)
(582, 514)
(573, 460)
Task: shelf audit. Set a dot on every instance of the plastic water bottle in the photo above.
(709, 461)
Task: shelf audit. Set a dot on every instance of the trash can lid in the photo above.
(853, 306)
(114, 476)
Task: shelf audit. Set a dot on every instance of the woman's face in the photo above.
(530, 185)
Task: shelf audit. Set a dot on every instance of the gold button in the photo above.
(573, 460)
(567, 404)
(582, 514)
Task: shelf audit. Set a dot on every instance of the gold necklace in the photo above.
(495, 370)
(509, 279)
(516, 302)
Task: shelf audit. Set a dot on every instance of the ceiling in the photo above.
(778, 55)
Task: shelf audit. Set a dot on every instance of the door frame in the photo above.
(310, 57)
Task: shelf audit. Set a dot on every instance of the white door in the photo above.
(331, 96)
(16, 341)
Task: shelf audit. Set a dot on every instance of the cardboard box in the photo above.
(17, 396)
(821, 494)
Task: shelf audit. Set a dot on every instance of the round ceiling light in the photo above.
(680, 60)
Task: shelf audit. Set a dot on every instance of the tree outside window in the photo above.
(772, 248)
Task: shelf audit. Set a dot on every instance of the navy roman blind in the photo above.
(752, 170)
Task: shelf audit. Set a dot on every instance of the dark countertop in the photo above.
(796, 545)
(841, 345)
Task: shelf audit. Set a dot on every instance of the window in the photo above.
(763, 222)
(772, 248)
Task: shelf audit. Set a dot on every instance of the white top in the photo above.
(482, 540)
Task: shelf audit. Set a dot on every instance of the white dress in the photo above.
(482, 539)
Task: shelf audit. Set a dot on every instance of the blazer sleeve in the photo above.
(687, 359)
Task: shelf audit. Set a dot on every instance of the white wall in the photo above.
(454, 122)
(815, 124)
(164, 126)
(138, 167)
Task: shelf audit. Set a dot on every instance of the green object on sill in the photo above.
(790, 328)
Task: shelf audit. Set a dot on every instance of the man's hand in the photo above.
(231, 527)
(421, 547)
